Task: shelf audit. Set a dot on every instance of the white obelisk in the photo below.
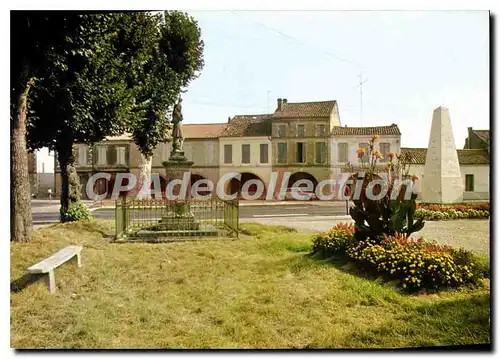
(442, 179)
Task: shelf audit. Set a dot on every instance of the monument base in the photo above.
(174, 221)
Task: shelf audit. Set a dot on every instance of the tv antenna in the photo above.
(360, 85)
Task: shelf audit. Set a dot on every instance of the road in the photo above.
(282, 213)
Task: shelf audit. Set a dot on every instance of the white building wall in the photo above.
(353, 144)
(262, 170)
(481, 181)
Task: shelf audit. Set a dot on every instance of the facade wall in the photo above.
(352, 145)
(481, 181)
(236, 143)
(335, 117)
(319, 170)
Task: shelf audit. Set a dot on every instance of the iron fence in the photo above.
(181, 218)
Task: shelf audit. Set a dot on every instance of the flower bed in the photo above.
(436, 212)
(416, 264)
(462, 207)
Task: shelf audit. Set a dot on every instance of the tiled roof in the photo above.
(366, 131)
(416, 155)
(248, 125)
(203, 130)
(483, 135)
(305, 109)
(465, 157)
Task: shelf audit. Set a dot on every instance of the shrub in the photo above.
(417, 264)
(335, 241)
(77, 211)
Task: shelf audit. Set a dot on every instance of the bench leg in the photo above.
(51, 282)
(77, 260)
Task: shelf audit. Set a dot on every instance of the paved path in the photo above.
(50, 213)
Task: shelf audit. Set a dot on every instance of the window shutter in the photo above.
(95, 155)
(127, 155)
(76, 154)
(111, 155)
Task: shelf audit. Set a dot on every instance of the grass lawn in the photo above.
(262, 291)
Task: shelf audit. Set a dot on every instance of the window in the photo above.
(245, 153)
(300, 130)
(320, 152)
(120, 155)
(366, 147)
(264, 152)
(282, 152)
(342, 152)
(385, 148)
(300, 154)
(281, 131)
(469, 183)
(321, 130)
(228, 153)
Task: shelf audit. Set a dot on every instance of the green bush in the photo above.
(335, 241)
(77, 211)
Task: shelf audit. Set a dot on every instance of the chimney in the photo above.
(285, 101)
(279, 104)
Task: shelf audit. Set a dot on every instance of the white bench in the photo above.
(49, 264)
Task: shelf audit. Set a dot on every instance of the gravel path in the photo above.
(472, 234)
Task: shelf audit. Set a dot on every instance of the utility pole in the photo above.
(268, 99)
(361, 82)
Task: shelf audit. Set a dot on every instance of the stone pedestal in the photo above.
(442, 178)
(175, 167)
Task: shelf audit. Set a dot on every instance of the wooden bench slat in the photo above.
(55, 260)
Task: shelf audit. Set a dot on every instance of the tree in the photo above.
(172, 52)
(41, 34)
(81, 95)
(113, 73)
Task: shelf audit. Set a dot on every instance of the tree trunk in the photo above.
(66, 159)
(21, 218)
(144, 172)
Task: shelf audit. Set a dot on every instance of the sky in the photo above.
(411, 62)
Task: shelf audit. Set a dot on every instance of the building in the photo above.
(474, 170)
(346, 140)
(303, 140)
(477, 139)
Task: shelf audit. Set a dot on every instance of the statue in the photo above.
(178, 138)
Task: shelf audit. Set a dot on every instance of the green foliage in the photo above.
(335, 241)
(418, 264)
(449, 214)
(171, 53)
(74, 184)
(415, 263)
(77, 211)
(105, 74)
(393, 212)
